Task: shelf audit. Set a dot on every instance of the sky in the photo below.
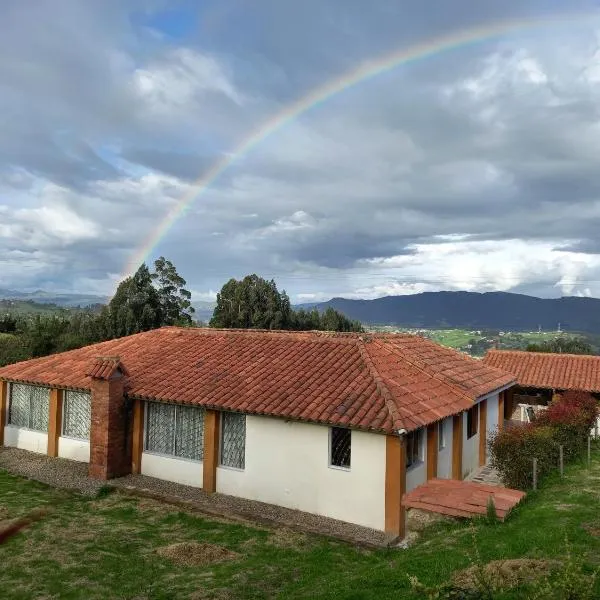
(475, 168)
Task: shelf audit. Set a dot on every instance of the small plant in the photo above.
(104, 491)
(491, 514)
(570, 581)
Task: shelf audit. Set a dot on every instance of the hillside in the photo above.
(59, 299)
(471, 310)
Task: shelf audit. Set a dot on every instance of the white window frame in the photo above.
(442, 442)
(222, 440)
(330, 443)
(9, 408)
(420, 451)
(164, 454)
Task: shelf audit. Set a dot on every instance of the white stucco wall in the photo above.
(445, 455)
(179, 470)
(417, 474)
(287, 464)
(470, 458)
(492, 421)
(26, 439)
(73, 449)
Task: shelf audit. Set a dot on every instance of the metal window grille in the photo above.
(175, 430)
(77, 413)
(189, 432)
(29, 406)
(341, 446)
(233, 440)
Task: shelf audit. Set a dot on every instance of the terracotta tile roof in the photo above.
(376, 382)
(546, 370)
(105, 367)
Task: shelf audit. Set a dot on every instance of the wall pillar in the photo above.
(457, 446)
(482, 432)
(395, 486)
(3, 408)
(54, 420)
(111, 427)
(501, 410)
(432, 450)
(211, 450)
(137, 437)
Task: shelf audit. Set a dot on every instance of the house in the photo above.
(339, 425)
(541, 375)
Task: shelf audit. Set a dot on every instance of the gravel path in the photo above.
(57, 472)
(249, 510)
(68, 474)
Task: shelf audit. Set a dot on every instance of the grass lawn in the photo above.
(106, 548)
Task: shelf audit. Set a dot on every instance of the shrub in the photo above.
(512, 451)
(571, 417)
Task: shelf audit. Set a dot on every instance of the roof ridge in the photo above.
(382, 389)
(549, 354)
(433, 375)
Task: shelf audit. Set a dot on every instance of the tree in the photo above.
(252, 303)
(255, 303)
(563, 346)
(174, 299)
(135, 306)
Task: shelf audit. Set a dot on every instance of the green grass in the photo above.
(105, 548)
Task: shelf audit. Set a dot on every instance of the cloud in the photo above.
(474, 169)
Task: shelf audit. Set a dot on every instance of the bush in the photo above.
(571, 416)
(567, 422)
(512, 451)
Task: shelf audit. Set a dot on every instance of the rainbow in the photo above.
(318, 96)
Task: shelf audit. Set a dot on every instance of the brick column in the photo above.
(54, 420)
(211, 451)
(3, 408)
(110, 432)
(395, 486)
(457, 446)
(432, 450)
(138, 437)
(482, 432)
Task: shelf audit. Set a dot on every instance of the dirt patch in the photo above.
(505, 574)
(194, 554)
(286, 538)
(592, 528)
(562, 506)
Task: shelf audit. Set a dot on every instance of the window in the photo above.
(472, 421)
(340, 447)
(414, 448)
(233, 440)
(175, 430)
(29, 406)
(77, 409)
(441, 435)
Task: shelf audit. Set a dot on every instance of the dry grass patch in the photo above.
(286, 538)
(504, 574)
(196, 554)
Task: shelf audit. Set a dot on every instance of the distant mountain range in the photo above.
(429, 310)
(471, 310)
(60, 299)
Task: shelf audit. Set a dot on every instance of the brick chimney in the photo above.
(110, 428)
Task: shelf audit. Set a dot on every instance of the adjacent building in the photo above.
(340, 425)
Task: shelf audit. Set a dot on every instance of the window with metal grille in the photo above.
(175, 430)
(29, 406)
(414, 448)
(472, 421)
(340, 441)
(77, 411)
(233, 440)
(441, 435)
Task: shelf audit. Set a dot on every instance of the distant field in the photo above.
(24, 307)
